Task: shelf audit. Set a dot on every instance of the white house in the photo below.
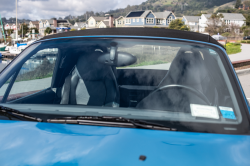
(204, 18)
(192, 22)
(94, 21)
(79, 25)
(119, 22)
(10, 26)
(103, 24)
(228, 18)
(234, 18)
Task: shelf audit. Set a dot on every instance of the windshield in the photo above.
(174, 83)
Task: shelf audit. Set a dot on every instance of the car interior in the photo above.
(96, 75)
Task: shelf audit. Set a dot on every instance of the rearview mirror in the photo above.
(115, 58)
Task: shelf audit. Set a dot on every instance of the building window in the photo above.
(159, 21)
(119, 22)
(133, 20)
(128, 21)
(149, 20)
(169, 19)
(137, 19)
(91, 23)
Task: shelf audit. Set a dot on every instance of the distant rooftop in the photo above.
(233, 16)
(135, 14)
(192, 18)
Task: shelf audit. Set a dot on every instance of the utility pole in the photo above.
(22, 30)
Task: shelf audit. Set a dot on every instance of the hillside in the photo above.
(180, 7)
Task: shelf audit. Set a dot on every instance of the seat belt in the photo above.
(66, 90)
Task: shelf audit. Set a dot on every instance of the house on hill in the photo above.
(93, 21)
(103, 24)
(119, 22)
(34, 24)
(203, 21)
(54, 24)
(244, 7)
(148, 19)
(192, 22)
(229, 18)
(96, 22)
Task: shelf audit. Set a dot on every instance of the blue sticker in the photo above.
(227, 113)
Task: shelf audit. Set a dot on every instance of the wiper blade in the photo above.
(110, 121)
(12, 113)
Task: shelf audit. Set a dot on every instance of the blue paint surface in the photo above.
(136, 23)
(31, 143)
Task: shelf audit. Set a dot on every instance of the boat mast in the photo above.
(2, 28)
(16, 22)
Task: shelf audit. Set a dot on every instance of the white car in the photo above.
(219, 37)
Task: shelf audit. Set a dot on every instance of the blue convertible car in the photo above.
(125, 96)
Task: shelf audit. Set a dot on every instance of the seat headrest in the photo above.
(88, 66)
(187, 68)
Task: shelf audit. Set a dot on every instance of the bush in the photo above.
(155, 27)
(236, 44)
(73, 30)
(248, 41)
(83, 28)
(243, 41)
(226, 34)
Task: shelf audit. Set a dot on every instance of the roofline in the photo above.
(137, 32)
(119, 17)
(148, 13)
(128, 14)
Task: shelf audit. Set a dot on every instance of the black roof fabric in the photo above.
(136, 14)
(152, 32)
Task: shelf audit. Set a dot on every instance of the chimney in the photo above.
(55, 22)
(111, 21)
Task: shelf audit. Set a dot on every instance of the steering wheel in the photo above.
(198, 93)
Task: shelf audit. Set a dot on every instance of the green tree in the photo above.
(48, 30)
(178, 24)
(237, 4)
(9, 31)
(23, 29)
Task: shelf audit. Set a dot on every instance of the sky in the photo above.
(45, 9)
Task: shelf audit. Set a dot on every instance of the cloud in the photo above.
(38, 9)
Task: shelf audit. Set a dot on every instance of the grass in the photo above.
(146, 63)
(233, 48)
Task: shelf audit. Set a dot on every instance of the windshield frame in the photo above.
(9, 70)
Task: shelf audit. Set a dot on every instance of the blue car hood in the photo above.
(30, 143)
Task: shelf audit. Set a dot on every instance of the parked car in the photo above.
(246, 38)
(127, 96)
(219, 37)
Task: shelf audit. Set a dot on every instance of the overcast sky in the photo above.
(38, 9)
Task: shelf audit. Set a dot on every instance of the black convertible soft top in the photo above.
(154, 32)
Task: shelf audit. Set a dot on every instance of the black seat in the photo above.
(187, 69)
(91, 83)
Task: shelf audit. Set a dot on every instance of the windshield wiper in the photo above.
(110, 121)
(11, 113)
